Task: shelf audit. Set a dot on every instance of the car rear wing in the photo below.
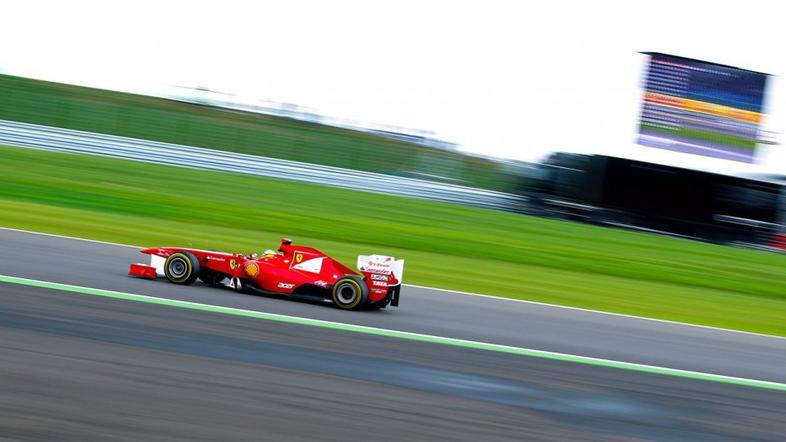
(384, 265)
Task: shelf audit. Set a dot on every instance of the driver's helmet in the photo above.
(268, 253)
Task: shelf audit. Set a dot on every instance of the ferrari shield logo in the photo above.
(233, 264)
(298, 257)
(313, 265)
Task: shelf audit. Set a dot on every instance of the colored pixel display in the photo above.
(701, 108)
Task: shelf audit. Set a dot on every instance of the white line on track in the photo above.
(600, 312)
(71, 237)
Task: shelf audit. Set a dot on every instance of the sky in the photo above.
(509, 79)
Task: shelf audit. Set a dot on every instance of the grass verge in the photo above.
(445, 246)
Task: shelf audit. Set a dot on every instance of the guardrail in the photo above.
(73, 141)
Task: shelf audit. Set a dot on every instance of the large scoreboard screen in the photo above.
(701, 108)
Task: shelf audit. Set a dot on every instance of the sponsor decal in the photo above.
(285, 285)
(376, 264)
(378, 267)
(213, 258)
(379, 283)
(377, 277)
(298, 257)
(321, 283)
(252, 269)
(233, 264)
(313, 265)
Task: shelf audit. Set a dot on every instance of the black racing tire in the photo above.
(181, 268)
(350, 293)
(211, 277)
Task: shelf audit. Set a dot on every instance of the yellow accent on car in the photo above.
(185, 259)
(358, 298)
(252, 269)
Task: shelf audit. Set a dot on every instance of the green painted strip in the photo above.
(398, 334)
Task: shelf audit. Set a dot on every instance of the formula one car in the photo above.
(291, 270)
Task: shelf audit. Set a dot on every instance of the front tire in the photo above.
(350, 293)
(181, 268)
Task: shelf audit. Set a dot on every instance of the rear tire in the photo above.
(350, 293)
(181, 268)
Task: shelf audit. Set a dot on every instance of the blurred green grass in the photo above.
(445, 246)
(138, 116)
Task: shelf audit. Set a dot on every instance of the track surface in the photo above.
(433, 312)
(77, 367)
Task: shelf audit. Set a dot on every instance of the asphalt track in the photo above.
(76, 367)
(427, 311)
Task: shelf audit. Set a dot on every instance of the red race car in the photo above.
(291, 270)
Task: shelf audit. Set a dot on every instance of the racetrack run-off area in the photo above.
(84, 360)
(445, 246)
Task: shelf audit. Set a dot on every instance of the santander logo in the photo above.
(377, 264)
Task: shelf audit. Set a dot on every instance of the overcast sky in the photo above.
(511, 79)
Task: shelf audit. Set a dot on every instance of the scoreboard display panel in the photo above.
(701, 108)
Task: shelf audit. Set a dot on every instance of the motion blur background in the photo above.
(621, 157)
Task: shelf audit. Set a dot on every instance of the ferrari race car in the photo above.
(291, 270)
